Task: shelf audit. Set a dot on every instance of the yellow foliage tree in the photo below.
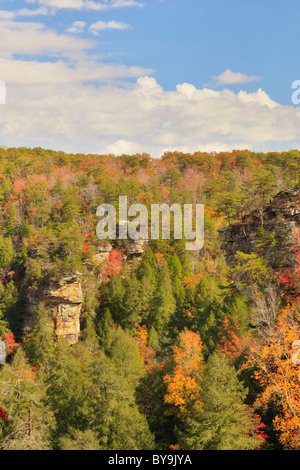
(187, 368)
(278, 372)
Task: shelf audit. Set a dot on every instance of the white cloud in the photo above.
(58, 4)
(87, 4)
(64, 113)
(259, 96)
(25, 12)
(77, 27)
(62, 97)
(6, 15)
(230, 78)
(108, 5)
(48, 7)
(29, 12)
(30, 38)
(122, 146)
(102, 25)
(72, 65)
(33, 72)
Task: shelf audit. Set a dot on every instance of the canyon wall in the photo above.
(63, 298)
(268, 233)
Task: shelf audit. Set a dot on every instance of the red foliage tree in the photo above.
(231, 343)
(290, 280)
(113, 264)
(10, 343)
(3, 414)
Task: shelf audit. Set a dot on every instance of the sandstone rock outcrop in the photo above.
(129, 249)
(137, 247)
(63, 298)
(102, 253)
(279, 219)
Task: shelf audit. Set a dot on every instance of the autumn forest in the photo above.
(112, 345)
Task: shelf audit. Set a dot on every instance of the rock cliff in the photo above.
(63, 298)
(130, 249)
(268, 233)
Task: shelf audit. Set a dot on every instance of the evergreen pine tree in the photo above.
(12, 220)
(125, 356)
(91, 393)
(6, 252)
(223, 421)
(79, 440)
(30, 419)
(146, 290)
(105, 330)
(163, 304)
(40, 340)
(113, 297)
(131, 303)
(3, 326)
(11, 307)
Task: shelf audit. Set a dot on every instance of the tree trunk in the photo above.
(29, 421)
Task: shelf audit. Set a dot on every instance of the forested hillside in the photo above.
(176, 349)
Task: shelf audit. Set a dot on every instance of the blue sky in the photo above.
(127, 76)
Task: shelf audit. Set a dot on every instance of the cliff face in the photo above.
(131, 249)
(63, 298)
(268, 233)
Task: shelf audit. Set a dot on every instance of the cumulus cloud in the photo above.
(87, 4)
(122, 146)
(102, 26)
(141, 117)
(231, 78)
(31, 38)
(73, 62)
(6, 15)
(33, 72)
(77, 27)
(60, 96)
(25, 12)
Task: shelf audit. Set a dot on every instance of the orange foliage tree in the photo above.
(148, 353)
(279, 375)
(187, 366)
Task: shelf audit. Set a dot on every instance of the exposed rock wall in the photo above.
(280, 218)
(63, 298)
(131, 249)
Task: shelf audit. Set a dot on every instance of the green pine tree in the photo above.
(223, 422)
(40, 340)
(163, 304)
(6, 252)
(125, 356)
(30, 419)
(131, 303)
